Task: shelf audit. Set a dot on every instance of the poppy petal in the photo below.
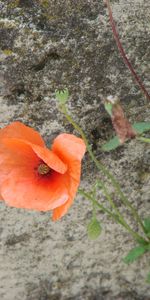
(71, 150)
(16, 153)
(16, 156)
(24, 149)
(74, 175)
(69, 147)
(22, 190)
(21, 131)
(1, 198)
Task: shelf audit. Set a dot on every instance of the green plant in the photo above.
(142, 235)
(125, 131)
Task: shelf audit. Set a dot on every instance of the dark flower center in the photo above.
(43, 169)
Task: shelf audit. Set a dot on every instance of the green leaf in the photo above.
(111, 144)
(94, 229)
(142, 242)
(108, 107)
(147, 225)
(134, 254)
(141, 127)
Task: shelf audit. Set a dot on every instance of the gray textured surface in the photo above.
(47, 45)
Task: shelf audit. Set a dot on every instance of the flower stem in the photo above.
(117, 218)
(142, 139)
(102, 168)
(110, 200)
(104, 209)
(123, 54)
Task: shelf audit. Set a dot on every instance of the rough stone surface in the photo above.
(46, 45)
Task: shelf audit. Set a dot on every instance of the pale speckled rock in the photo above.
(46, 45)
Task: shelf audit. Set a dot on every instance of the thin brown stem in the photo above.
(123, 54)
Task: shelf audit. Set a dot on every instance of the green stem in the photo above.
(142, 139)
(102, 168)
(111, 202)
(135, 235)
(89, 197)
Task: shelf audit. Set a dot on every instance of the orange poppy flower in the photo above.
(34, 177)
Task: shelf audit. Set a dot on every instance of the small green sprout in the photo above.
(62, 96)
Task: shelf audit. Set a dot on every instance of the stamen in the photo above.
(43, 169)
